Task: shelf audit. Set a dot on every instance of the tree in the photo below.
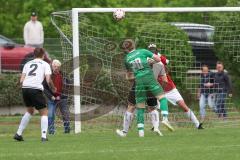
(227, 40)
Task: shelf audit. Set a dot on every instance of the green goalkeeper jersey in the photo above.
(137, 62)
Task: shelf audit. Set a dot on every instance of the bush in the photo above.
(227, 40)
(103, 82)
(10, 93)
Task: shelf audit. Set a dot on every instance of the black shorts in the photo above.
(34, 98)
(151, 99)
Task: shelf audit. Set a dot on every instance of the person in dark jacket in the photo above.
(206, 91)
(223, 88)
(57, 98)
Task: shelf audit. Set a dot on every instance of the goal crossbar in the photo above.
(160, 9)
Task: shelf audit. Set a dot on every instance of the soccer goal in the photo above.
(93, 61)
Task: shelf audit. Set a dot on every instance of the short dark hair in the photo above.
(220, 62)
(205, 65)
(127, 44)
(39, 52)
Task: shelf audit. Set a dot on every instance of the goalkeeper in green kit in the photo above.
(136, 61)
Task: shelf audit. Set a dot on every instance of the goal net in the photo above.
(93, 62)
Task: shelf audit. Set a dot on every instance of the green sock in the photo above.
(164, 107)
(140, 118)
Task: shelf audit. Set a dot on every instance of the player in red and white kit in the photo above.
(170, 90)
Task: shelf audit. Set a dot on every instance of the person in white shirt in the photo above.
(33, 32)
(33, 74)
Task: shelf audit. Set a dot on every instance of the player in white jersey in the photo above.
(33, 74)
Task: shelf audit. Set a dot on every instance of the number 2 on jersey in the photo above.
(34, 66)
(137, 64)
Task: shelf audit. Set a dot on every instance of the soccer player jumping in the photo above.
(171, 92)
(152, 104)
(136, 62)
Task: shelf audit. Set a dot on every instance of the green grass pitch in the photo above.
(183, 144)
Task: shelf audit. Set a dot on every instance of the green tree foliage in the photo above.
(227, 41)
(173, 42)
(15, 13)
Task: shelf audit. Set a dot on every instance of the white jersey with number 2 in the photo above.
(35, 71)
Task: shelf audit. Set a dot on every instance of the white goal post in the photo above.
(75, 33)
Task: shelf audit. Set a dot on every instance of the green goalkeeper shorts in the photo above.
(144, 84)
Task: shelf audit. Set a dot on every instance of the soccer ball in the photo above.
(118, 14)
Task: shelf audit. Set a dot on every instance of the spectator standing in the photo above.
(57, 99)
(224, 88)
(33, 32)
(206, 91)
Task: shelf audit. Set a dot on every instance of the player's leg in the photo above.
(165, 122)
(128, 115)
(27, 116)
(154, 114)
(152, 104)
(51, 116)
(127, 120)
(175, 98)
(190, 114)
(157, 90)
(23, 124)
(141, 97)
(40, 104)
(44, 123)
(140, 118)
(164, 108)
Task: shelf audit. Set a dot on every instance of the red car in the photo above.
(13, 56)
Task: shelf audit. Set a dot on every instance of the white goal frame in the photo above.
(75, 40)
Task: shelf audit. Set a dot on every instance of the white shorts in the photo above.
(173, 96)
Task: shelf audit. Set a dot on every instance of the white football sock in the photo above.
(44, 126)
(164, 117)
(24, 122)
(141, 133)
(127, 120)
(192, 117)
(155, 119)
